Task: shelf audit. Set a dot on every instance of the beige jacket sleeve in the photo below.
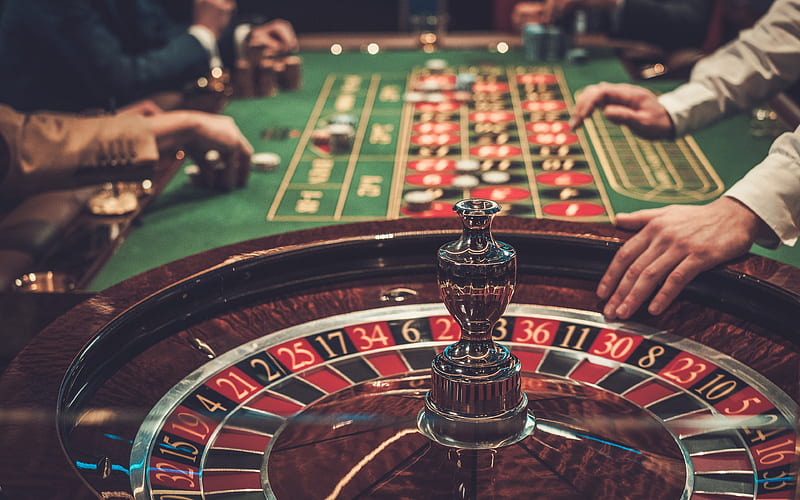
(45, 150)
(761, 62)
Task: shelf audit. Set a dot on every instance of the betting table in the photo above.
(276, 341)
(515, 123)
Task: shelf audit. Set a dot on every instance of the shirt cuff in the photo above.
(767, 190)
(691, 106)
(209, 42)
(240, 34)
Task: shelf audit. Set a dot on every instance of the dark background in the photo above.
(310, 16)
(314, 16)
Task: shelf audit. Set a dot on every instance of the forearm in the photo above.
(163, 57)
(174, 129)
(47, 150)
(63, 143)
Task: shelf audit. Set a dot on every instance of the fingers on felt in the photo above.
(637, 220)
(589, 99)
(621, 114)
(622, 260)
(597, 96)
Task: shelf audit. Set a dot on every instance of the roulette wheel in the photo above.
(300, 366)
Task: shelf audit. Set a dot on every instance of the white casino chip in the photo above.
(265, 161)
(496, 177)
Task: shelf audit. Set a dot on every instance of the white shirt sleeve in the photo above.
(240, 34)
(761, 62)
(209, 42)
(771, 189)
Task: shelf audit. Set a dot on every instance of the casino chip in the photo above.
(344, 119)
(435, 97)
(465, 81)
(109, 201)
(495, 177)
(321, 137)
(461, 96)
(212, 155)
(465, 181)
(341, 137)
(419, 201)
(265, 162)
(468, 165)
(414, 97)
(429, 86)
(192, 172)
(436, 65)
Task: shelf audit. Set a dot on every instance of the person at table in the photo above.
(41, 151)
(675, 243)
(104, 54)
(668, 24)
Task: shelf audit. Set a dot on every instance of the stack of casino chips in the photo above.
(543, 43)
(256, 76)
(337, 135)
(341, 131)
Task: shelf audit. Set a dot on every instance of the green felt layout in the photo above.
(312, 187)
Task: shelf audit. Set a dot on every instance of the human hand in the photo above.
(220, 133)
(198, 132)
(272, 38)
(527, 12)
(214, 14)
(145, 107)
(625, 104)
(673, 245)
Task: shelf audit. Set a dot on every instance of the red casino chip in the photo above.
(573, 209)
(458, 95)
(444, 81)
(435, 139)
(431, 180)
(437, 107)
(551, 139)
(501, 193)
(547, 127)
(436, 127)
(492, 116)
(432, 165)
(544, 106)
(564, 179)
(495, 151)
(536, 79)
(490, 87)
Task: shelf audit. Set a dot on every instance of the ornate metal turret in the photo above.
(476, 400)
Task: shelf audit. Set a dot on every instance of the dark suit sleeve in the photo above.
(669, 24)
(158, 56)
